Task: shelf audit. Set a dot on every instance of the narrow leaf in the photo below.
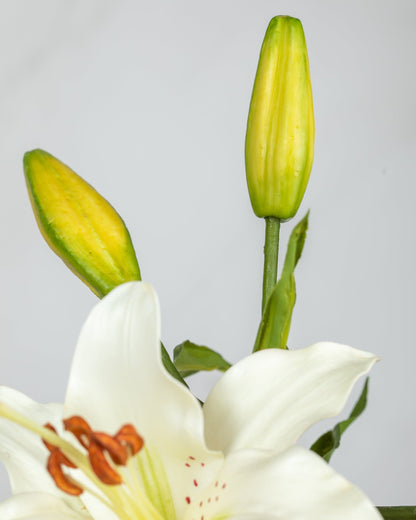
(329, 441)
(275, 324)
(190, 358)
(169, 366)
(274, 327)
(397, 512)
(295, 245)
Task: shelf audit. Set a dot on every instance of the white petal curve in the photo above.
(269, 399)
(293, 485)
(37, 506)
(23, 452)
(117, 377)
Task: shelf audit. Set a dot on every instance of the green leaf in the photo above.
(397, 512)
(275, 324)
(277, 316)
(169, 366)
(190, 358)
(295, 245)
(329, 441)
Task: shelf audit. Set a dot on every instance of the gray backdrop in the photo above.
(148, 101)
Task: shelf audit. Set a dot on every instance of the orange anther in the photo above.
(78, 427)
(128, 436)
(101, 448)
(115, 449)
(100, 466)
(61, 480)
(64, 460)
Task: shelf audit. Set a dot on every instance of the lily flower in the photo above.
(132, 443)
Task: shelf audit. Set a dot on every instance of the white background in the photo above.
(148, 101)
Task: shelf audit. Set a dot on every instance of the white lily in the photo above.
(235, 457)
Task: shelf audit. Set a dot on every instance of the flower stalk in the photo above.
(271, 254)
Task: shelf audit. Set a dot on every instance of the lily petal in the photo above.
(293, 485)
(269, 399)
(38, 506)
(117, 377)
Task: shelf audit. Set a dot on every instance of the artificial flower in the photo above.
(133, 443)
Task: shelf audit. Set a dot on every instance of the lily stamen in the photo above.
(79, 428)
(63, 460)
(129, 437)
(54, 465)
(117, 452)
(125, 443)
(101, 467)
(116, 496)
(62, 481)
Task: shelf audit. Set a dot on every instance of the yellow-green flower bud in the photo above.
(79, 225)
(280, 127)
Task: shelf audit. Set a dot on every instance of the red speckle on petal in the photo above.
(202, 464)
(192, 458)
(209, 500)
(224, 486)
(187, 465)
(188, 500)
(216, 484)
(216, 499)
(200, 504)
(195, 483)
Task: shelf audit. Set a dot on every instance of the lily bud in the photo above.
(79, 225)
(280, 127)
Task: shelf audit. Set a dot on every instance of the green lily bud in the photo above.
(280, 127)
(79, 225)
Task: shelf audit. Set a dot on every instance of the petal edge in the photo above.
(269, 399)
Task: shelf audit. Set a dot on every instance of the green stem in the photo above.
(398, 512)
(271, 252)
